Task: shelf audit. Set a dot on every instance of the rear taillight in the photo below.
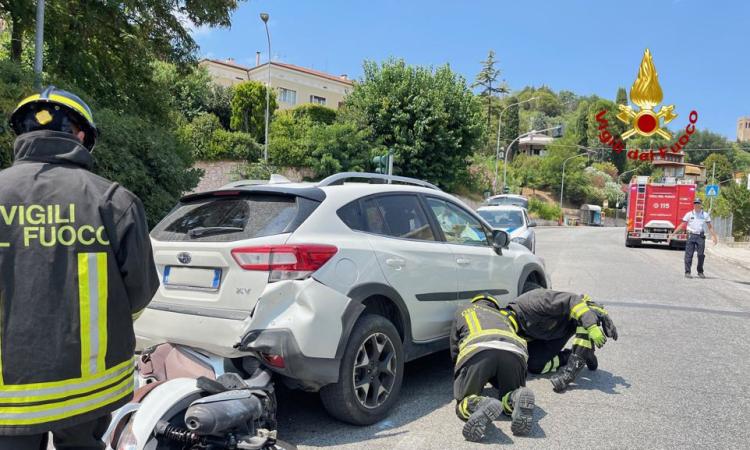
(284, 262)
(274, 360)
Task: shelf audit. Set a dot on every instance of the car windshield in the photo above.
(503, 219)
(508, 201)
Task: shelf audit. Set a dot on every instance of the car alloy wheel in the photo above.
(374, 370)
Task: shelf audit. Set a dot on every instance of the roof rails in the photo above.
(339, 178)
(274, 179)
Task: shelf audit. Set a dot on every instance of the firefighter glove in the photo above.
(610, 330)
(596, 335)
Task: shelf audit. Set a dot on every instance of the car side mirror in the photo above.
(532, 224)
(500, 240)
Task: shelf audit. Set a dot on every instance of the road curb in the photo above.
(744, 264)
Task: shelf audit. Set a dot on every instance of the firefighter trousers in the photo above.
(695, 243)
(85, 436)
(505, 370)
(546, 356)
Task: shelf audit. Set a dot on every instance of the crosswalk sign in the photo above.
(712, 190)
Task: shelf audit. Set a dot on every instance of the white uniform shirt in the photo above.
(696, 222)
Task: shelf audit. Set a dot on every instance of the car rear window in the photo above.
(511, 201)
(225, 219)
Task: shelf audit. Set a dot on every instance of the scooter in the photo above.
(197, 401)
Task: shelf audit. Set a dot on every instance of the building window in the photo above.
(288, 96)
(317, 100)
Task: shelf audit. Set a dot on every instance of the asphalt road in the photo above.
(676, 378)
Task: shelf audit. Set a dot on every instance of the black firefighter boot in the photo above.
(563, 378)
(483, 410)
(519, 405)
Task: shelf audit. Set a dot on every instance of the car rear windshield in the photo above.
(512, 201)
(225, 219)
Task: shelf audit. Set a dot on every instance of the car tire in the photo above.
(529, 285)
(358, 405)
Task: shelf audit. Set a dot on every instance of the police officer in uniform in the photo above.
(548, 319)
(486, 349)
(697, 222)
(76, 268)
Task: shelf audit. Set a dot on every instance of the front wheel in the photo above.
(370, 375)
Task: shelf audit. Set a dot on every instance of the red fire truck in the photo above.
(655, 210)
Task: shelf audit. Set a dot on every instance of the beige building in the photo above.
(743, 129)
(535, 144)
(294, 85)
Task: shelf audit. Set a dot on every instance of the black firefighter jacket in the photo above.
(75, 266)
(546, 315)
(480, 327)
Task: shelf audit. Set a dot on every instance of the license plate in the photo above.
(192, 278)
(658, 235)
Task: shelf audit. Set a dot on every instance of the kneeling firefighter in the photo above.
(548, 319)
(485, 348)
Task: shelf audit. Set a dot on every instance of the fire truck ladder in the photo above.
(640, 203)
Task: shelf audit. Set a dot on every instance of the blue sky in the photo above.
(701, 49)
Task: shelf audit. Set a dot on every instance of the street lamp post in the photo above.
(39, 49)
(505, 160)
(497, 147)
(264, 18)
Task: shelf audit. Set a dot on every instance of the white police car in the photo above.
(514, 220)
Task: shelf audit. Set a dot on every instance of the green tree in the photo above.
(708, 143)
(188, 90)
(724, 169)
(620, 159)
(212, 142)
(738, 199)
(487, 81)
(428, 117)
(316, 113)
(249, 108)
(582, 123)
(106, 48)
(219, 103)
(511, 126)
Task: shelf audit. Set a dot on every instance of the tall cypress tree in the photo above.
(487, 80)
(619, 159)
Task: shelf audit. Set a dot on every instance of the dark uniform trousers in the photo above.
(86, 436)
(544, 356)
(695, 242)
(504, 370)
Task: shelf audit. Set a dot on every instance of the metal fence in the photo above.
(723, 226)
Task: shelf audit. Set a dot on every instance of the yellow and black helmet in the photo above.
(55, 109)
(487, 297)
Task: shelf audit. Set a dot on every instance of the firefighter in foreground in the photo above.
(548, 319)
(76, 268)
(485, 348)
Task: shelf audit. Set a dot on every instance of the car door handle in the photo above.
(463, 261)
(395, 262)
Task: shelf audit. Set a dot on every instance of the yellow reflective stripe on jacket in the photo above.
(472, 321)
(578, 310)
(581, 330)
(511, 319)
(92, 294)
(477, 325)
(472, 337)
(582, 342)
(35, 414)
(28, 393)
(469, 322)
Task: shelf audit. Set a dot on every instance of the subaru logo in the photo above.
(184, 258)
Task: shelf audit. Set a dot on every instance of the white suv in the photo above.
(333, 286)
